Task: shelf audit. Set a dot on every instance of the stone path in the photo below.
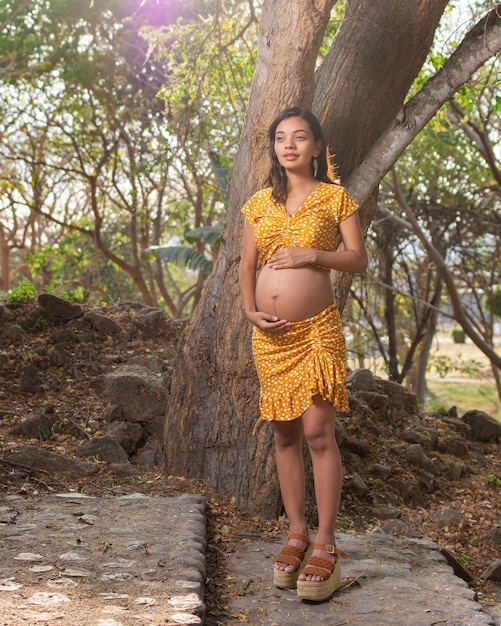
(77, 560)
(386, 581)
(83, 561)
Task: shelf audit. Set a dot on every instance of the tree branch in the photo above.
(459, 313)
(481, 43)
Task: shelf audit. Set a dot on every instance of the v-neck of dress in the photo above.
(303, 202)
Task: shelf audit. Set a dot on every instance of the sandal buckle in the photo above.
(330, 549)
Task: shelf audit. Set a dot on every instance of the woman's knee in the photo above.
(287, 434)
(320, 435)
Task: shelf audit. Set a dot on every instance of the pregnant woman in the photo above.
(290, 238)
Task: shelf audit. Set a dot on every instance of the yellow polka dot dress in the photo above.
(310, 358)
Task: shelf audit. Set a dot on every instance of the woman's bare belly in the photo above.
(293, 294)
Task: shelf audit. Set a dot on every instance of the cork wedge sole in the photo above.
(319, 591)
(296, 558)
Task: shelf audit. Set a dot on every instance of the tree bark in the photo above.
(363, 81)
(213, 430)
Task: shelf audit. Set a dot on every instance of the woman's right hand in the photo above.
(268, 323)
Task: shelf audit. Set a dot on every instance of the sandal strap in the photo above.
(304, 538)
(290, 555)
(317, 566)
(330, 549)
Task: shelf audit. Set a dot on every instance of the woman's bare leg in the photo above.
(290, 467)
(319, 431)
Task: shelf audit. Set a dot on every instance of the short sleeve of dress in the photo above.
(347, 205)
(254, 208)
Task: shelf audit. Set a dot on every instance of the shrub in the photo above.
(458, 335)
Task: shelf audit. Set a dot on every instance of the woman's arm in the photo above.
(248, 268)
(352, 259)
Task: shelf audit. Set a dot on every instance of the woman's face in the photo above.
(295, 145)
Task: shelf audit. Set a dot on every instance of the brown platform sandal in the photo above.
(318, 591)
(293, 556)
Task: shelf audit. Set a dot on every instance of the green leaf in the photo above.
(210, 234)
(182, 256)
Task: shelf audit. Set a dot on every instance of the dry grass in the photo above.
(461, 376)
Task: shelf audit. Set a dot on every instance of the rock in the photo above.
(495, 534)
(459, 570)
(403, 401)
(361, 380)
(128, 435)
(412, 436)
(59, 356)
(89, 353)
(358, 485)
(398, 527)
(483, 427)
(452, 445)
(456, 424)
(31, 381)
(455, 471)
(105, 449)
(153, 363)
(386, 512)
(5, 314)
(378, 402)
(103, 324)
(151, 454)
(358, 446)
(58, 308)
(153, 319)
(415, 456)
(40, 427)
(38, 458)
(359, 406)
(64, 335)
(352, 461)
(139, 394)
(380, 470)
(493, 571)
(447, 517)
(398, 448)
(123, 469)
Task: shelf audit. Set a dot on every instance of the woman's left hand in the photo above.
(290, 257)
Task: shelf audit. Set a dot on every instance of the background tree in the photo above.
(129, 176)
(213, 429)
(447, 184)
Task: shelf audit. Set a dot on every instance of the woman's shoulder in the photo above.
(337, 199)
(332, 189)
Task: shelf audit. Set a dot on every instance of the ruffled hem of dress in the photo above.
(324, 381)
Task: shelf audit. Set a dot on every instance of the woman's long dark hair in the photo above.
(277, 178)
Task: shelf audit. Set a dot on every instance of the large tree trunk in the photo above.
(213, 430)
